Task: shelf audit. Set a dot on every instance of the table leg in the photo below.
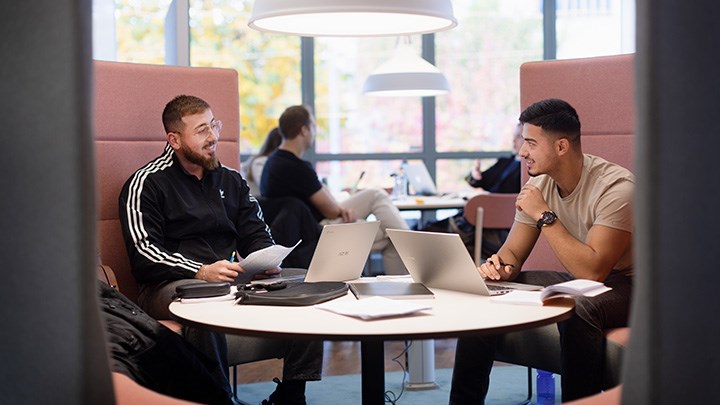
(421, 365)
(426, 217)
(372, 357)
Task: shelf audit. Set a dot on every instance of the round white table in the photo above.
(452, 314)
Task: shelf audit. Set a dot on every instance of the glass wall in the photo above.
(481, 59)
(268, 65)
(140, 30)
(594, 27)
(353, 122)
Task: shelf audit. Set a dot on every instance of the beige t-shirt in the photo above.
(603, 196)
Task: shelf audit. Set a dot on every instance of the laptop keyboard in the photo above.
(498, 289)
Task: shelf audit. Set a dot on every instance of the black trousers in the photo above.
(582, 342)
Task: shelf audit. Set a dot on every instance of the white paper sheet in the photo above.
(261, 260)
(373, 307)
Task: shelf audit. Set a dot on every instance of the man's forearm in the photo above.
(580, 259)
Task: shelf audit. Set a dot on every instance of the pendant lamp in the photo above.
(406, 74)
(352, 18)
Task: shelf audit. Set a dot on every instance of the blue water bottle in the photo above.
(545, 388)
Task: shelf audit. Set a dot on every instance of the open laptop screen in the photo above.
(420, 179)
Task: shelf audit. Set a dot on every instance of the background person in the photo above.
(252, 168)
(287, 175)
(502, 177)
(290, 221)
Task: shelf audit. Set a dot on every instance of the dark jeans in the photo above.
(302, 359)
(582, 342)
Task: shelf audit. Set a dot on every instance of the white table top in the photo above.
(433, 202)
(453, 314)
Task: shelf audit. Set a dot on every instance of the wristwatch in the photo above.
(546, 218)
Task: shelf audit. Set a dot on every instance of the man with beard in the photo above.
(183, 215)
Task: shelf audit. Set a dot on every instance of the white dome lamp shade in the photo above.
(352, 18)
(406, 74)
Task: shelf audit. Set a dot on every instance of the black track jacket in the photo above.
(174, 223)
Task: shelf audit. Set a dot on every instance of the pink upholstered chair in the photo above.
(128, 102)
(602, 91)
(489, 211)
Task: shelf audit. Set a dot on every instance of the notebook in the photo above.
(440, 260)
(340, 255)
(420, 179)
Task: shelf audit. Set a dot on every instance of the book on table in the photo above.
(578, 287)
(390, 289)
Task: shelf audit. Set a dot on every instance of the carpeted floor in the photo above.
(508, 385)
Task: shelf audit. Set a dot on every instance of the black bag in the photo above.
(294, 294)
(202, 289)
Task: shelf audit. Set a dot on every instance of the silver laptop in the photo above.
(340, 255)
(440, 260)
(420, 179)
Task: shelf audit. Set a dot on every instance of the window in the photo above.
(140, 30)
(268, 65)
(340, 175)
(595, 27)
(350, 122)
(481, 59)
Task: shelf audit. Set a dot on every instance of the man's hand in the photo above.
(495, 269)
(531, 201)
(347, 215)
(271, 273)
(221, 270)
(475, 172)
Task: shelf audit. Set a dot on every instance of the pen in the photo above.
(232, 257)
(501, 263)
(357, 183)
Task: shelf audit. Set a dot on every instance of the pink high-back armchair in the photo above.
(602, 91)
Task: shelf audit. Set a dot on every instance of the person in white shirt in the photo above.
(252, 169)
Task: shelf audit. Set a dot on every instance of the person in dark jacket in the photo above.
(155, 357)
(183, 215)
(502, 177)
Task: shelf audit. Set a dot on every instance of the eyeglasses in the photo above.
(214, 126)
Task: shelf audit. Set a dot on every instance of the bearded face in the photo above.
(208, 160)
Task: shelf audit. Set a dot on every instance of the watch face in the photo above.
(546, 218)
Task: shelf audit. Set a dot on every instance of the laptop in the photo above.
(340, 254)
(420, 179)
(440, 260)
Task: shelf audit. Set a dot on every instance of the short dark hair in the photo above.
(292, 120)
(554, 116)
(179, 107)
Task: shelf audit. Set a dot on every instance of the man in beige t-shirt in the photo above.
(583, 206)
